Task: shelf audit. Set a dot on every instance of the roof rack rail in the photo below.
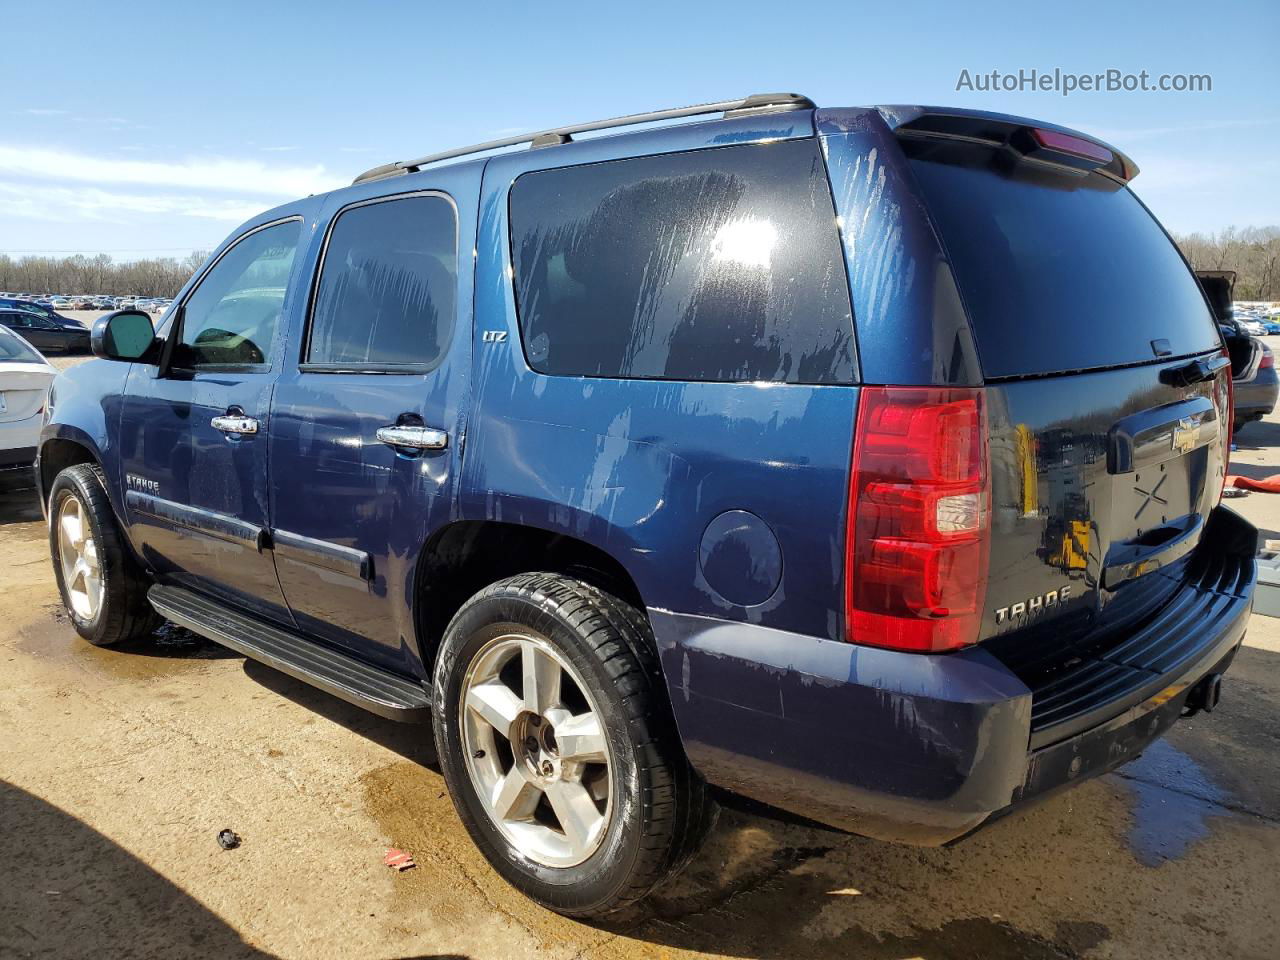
(756, 103)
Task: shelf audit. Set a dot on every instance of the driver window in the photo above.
(230, 319)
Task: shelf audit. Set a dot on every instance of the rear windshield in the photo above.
(13, 350)
(1058, 272)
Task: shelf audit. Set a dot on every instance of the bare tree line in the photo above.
(1252, 252)
(160, 277)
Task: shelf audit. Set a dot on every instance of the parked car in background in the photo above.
(1255, 385)
(25, 377)
(44, 334)
(865, 462)
(1257, 389)
(47, 313)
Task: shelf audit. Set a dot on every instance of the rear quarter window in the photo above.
(1058, 272)
(720, 264)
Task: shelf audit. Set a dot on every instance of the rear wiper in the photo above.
(1197, 371)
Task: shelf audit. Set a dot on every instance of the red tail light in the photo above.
(918, 520)
(1268, 359)
(1226, 396)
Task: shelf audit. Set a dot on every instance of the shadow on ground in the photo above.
(1260, 435)
(68, 891)
(19, 505)
(413, 741)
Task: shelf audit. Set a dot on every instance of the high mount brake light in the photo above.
(919, 531)
(1065, 143)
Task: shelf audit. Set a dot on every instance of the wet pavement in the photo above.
(118, 768)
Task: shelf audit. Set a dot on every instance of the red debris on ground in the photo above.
(398, 860)
(1269, 484)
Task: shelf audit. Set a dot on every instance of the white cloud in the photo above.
(77, 204)
(207, 173)
(277, 149)
(43, 112)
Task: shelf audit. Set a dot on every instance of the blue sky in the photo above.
(147, 128)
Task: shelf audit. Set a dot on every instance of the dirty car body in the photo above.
(717, 369)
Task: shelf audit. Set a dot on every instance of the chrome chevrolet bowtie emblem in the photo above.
(1186, 433)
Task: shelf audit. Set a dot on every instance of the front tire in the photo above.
(103, 588)
(558, 745)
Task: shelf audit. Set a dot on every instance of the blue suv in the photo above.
(864, 463)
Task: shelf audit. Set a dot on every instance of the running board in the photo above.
(379, 691)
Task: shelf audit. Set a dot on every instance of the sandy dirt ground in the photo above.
(119, 767)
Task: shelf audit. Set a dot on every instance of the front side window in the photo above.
(231, 318)
(387, 285)
(722, 264)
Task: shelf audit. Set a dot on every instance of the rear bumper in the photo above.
(1257, 397)
(919, 748)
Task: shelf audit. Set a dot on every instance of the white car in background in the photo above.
(25, 377)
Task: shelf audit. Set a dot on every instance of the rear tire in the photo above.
(103, 588)
(646, 810)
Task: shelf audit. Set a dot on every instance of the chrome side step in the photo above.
(377, 690)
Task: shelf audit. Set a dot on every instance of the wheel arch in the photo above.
(59, 452)
(466, 556)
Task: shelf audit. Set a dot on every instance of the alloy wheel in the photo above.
(81, 565)
(535, 750)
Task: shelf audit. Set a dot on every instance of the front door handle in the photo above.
(416, 438)
(236, 423)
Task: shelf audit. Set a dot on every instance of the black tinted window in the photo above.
(1058, 272)
(26, 321)
(387, 284)
(720, 264)
(231, 317)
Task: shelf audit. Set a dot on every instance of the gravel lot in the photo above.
(118, 768)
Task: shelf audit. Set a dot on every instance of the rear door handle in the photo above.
(415, 438)
(236, 423)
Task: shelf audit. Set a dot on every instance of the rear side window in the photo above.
(720, 264)
(385, 296)
(1058, 272)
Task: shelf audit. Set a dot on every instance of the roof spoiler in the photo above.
(1028, 139)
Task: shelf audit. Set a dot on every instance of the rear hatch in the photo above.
(1106, 391)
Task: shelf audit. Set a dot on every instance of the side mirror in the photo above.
(124, 335)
